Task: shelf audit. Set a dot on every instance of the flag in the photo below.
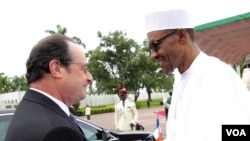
(157, 133)
(161, 113)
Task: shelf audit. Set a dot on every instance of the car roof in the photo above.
(7, 111)
(129, 132)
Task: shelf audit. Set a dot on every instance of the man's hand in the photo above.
(132, 126)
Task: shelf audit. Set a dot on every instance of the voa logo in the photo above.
(236, 132)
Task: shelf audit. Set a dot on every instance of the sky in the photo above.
(23, 22)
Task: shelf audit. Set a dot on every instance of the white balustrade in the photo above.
(11, 100)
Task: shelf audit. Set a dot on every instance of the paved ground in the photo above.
(147, 118)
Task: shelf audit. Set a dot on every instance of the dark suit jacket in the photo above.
(38, 118)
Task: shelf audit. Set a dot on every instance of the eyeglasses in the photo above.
(83, 66)
(154, 45)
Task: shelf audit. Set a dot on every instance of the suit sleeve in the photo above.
(63, 134)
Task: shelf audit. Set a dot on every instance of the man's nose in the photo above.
(89, 78)
(153, 54)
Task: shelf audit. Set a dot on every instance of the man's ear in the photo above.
(181, 36)
(55, 68)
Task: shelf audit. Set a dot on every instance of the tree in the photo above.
(60, 30)
(239, 68)
(63, 31)
(19, 83)
(12, 84)
(121, 61)
(5, 85)
(109, 62)
(146, 73)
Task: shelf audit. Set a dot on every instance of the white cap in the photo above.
(171, 19)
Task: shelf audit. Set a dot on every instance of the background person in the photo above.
(126, 115)
(88, 112)
(148, 103)
(246, 72)
(165, 105)
(58, 77)
(207, 86)
(167, 102)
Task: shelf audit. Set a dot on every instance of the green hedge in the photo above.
(97, 110)
(110, 108)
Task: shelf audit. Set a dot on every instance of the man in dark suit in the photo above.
(58, 77)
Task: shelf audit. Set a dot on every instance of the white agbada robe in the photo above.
(124, 115)
(208, 95)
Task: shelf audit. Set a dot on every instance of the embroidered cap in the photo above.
(122, 90)
(170, 19)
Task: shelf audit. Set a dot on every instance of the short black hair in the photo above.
(51, 47)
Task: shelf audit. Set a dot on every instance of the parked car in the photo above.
(92, 132)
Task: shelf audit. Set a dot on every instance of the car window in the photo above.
(4, 124)
(90, 132)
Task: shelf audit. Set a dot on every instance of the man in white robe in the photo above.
(208, 94)
(126, 114)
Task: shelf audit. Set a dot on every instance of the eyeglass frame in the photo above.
(77, 63)
(154, 45)
(70, 62)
